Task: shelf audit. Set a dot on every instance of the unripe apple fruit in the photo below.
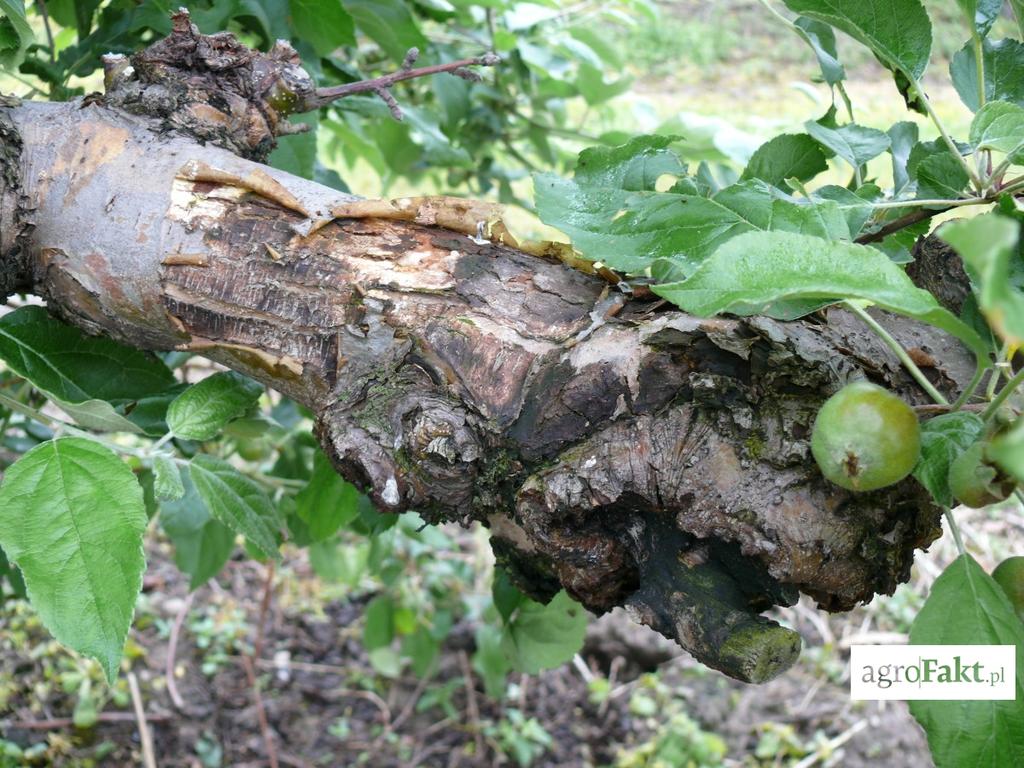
(865, 437)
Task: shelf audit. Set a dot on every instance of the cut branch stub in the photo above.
(212, 87)
(218, 90)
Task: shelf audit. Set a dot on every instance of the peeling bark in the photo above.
(630, 454)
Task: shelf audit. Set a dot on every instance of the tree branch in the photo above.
(382, 85)
(902, 222)
(630, 455)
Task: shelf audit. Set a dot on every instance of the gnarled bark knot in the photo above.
(631, 454)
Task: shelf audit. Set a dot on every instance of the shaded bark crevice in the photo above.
(15, 210)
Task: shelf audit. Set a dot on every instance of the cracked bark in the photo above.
(632, 455)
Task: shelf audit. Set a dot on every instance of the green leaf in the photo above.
(297, 153)
(343, 564)
(327, 502)
(787, 156)
(822, 40)
(1007, 450)
(324, 24)
(201, 544)
(857, 207)
(203, 410)
(940, 177)
(754, 271)
(379, 626)
(635, 166)
(943, 438)
(15, 33)
(595, 89)
(898, 32)
(72, 518)
(630, 230)
(97, 415)
(980, 734)
(236, 501)
(899, 245)
(999, 125)
(490, 660)
(386, 661)
(167, 483)
(902, 137)
(87, 376)
(389, 24)
(505, 594)
(981, 14)
(61, 360)
(1003, 61)
(1018, 12)
(421, 649)
(987, 243)
(74, 13)
(149, 414)
(545, 636)
(15, 583)
(856, 144)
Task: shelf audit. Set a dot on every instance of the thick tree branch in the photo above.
(630, 455)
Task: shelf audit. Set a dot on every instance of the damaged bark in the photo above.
(631, 454)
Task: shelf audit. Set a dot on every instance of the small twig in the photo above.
(897, 350)
(613, 672)
(261, 713)
(1008, 389)
(268, 593)
(471, 705)
(381, 85)
(581, 666)
(57, 723)
(828, 749)
(41, 5)
(415, 697)
(873, 638)
(305, 666)
(250, 660)
(935, 409)
(901, 223)
(955, 530)
(140, 718)
(172, 651)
